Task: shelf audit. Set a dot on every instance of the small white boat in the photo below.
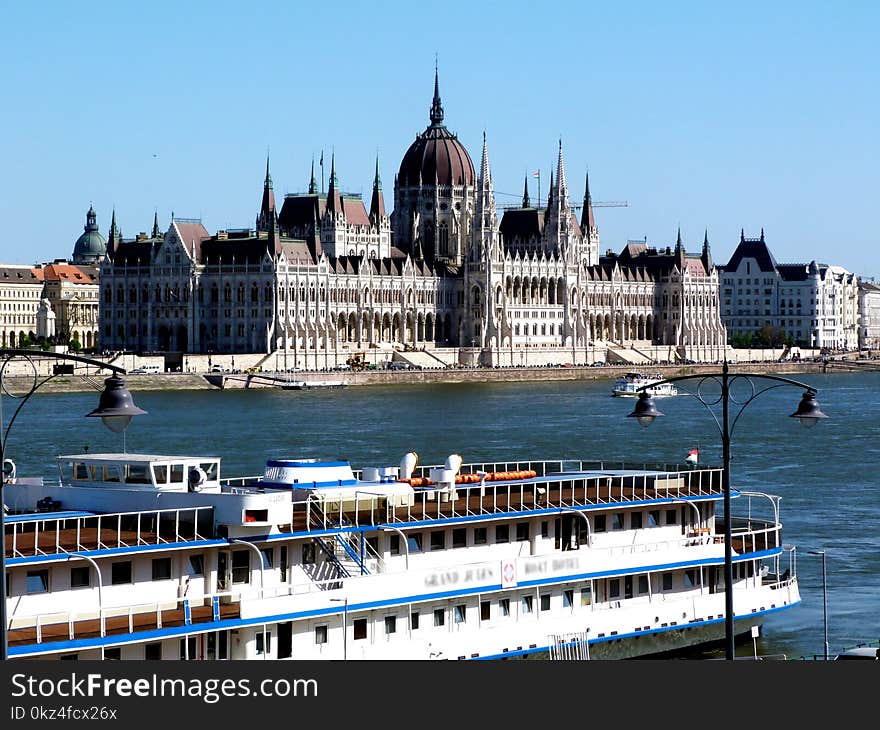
(628, 385)
(314, 384)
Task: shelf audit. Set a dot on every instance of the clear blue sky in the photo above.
(750, 115)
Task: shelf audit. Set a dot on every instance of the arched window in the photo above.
(443, 231)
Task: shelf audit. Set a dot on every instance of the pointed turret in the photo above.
(526, 203)
(485, 174)
(550, 193)
(313, 184)
(377, 204)
(588, 221)
(678, 239)
(334, 201)
(266, 219)
(436, 106)
(762, 234)
(113, 239)
(155, 231)
(561, 184)
(742, 235)
(706, 254)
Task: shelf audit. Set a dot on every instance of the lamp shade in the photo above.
(808, 410)
(116, 407)
(645, 411)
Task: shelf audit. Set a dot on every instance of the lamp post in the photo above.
(115, 409)
(824, 597)
(808, 413)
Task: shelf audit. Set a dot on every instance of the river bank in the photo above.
(216, 381)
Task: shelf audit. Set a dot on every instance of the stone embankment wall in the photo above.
(191, 381)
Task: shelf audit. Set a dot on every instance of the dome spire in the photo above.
(436, 107)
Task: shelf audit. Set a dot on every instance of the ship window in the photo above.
(586, 595)
(390, 625)
(284, 563)
(80, 471)
(692, 578)
(37, 581)
(137, 474)
(308, 553)
(504, 606)
(671, 517)
(667, 581)
(321, 634)
(360, 629)
(113, 653)
(459, 613)
(414, 543)
(502, 533)
(373, 545)
(599, 523)
(111, 474)
(617, 521)
(545, 601)
(439, 616)
(635, 520)
(485, 610)
(177, 473)
(414, 620)
(197, 564)
(643, 584)
(614, 588)
(526, 604)
(241, 566)
(654, 518)
(459, 537)
(264, 642)
(161, 568)
(567, 598)
(188, 648)
(210, 468)
(394, 545)
(120, 573)
(522, 531)
(160, 472)
(153, 652)
(80, 577)
(268, 557)
(545, 528)
(438, 540)
(481, 536)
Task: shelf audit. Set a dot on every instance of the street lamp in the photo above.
(115, 409)
(808, 413)
(824, 597)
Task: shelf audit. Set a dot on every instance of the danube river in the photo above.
(827, 475)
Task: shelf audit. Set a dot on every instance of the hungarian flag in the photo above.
(536, 174)
(693, 456)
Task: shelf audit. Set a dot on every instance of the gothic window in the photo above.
(444, 239)
(227, 293)
(108, 295)
(475, 295)
(120, 294)
(132, 295)
(240, 294)
(255, 293)
(215, 294)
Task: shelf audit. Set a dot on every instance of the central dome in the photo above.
(91, 246)
(436, 156)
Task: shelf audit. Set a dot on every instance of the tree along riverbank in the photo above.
(215, 381)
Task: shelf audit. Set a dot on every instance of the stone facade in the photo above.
(325, 276)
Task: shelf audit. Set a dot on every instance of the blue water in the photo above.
(827, 476)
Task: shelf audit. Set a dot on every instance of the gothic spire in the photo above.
(561, 184)
(742, 235)
(588, 221)
(334, 201)
(155, 232)
(678, 239)
(113, 239)
(266, 218)
(762, 234)
(313, 184)
(377, 204)
(436, 107)
(526, 202)
(550, 193)
(485, 173)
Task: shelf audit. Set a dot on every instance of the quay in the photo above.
(385, 377)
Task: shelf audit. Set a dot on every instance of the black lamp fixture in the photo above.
(808, 410)
(645, 411)
(116, 406)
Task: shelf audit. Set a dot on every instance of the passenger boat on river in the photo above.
(144, 556)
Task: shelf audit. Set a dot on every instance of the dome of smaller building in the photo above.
(91, 246)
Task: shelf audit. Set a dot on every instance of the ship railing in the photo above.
(126, 618)
(48, 535)
(547, 492)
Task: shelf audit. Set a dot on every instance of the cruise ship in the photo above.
(149, 556)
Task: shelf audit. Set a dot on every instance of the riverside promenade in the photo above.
(229, 380)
